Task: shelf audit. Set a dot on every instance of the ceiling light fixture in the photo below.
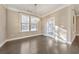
(35, 9)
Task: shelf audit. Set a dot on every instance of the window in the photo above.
(29, 23)
(34, 23)
(51, 26)
(25, 23)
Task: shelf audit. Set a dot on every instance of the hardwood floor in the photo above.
(39, 45)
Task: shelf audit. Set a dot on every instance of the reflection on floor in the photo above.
(39, 45)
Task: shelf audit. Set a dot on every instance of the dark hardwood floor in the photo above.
(39, 45)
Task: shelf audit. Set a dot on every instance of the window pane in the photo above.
(25, 19)
(25, 27)
(25, 23)
(33, 27)
(50, 28)
(34, 22)
(34, 19)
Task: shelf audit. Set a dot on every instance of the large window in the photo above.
(29, 23)
(51, 26)
(34, 23)
(25, 23)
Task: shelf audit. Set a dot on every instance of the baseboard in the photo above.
(73, 38)
(47, 35)
(70, 42)
(3, 43)
(18, 39)
(31, 36)
(23, 37)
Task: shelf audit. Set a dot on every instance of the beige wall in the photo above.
(2, 24)
(63, 19)
(13, 28)
(73, 25)
(77, 25)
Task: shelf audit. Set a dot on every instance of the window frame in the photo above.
(25, 23)
(34, 23)
(30, 23)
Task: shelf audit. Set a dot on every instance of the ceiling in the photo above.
(76, 7)
(39, 9)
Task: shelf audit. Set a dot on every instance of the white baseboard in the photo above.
(3, 43)
(31, 36)
(73, 38)
(48, 35)
(17, 39)
(22, 37)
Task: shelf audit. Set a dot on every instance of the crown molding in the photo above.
(21, 11)
(41, 16)
(51, 12)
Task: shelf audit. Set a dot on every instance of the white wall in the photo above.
(2, 24)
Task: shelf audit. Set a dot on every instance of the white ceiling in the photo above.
(40, 9)
(76, 7)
